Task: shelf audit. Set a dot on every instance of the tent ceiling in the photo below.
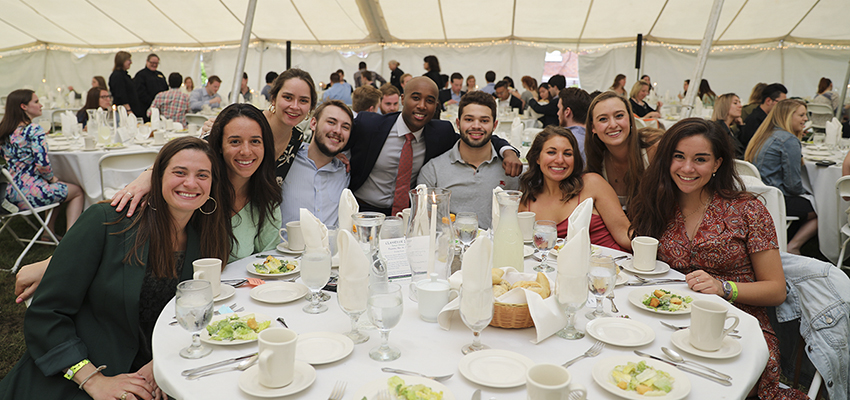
(201, 23)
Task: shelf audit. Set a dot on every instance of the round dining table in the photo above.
(819, 180)
(431, 350)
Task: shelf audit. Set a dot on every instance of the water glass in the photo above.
(601, 279)
(194, 309)
(385, 307)
(545, 235)
(476, 311)
(354, 305)
(466, 229)
(571, 294)
(315, 272)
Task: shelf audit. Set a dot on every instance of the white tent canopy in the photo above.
(68, 41)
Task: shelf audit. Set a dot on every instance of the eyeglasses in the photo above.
(106, 97)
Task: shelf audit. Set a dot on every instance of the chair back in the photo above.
(196, 119)
(819, 114)
(775, 203)
(118, 170)
(745, 168)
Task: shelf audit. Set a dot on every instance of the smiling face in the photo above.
(242, 148)
(470, 83)
(105, 100)
(33, 108)
(693, 163)
(152, 63)
(476, 125)
(798, 120)
(212, 88)
(735, 107)
(186, 182)
(644, 91)
(543, 93)
(292, 103)
(611, 122)
(389, 104)
(332, 130)
(420, 102)
(556, 159)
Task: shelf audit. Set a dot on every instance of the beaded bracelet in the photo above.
(100, 368)
(734, 292)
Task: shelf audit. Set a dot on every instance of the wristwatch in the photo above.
(727, 289)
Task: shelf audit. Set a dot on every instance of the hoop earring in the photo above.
(215, 207)
(271, 108)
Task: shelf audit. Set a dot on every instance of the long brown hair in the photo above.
(154, 223)
(101, 82)
(595, 149)
(656, 206)
(93, 99)
(779, 117)
(722, 106)
(531, 182)
(15, 115)
(120, 58)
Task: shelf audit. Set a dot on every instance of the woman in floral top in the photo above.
(712, 231)
(23, 147)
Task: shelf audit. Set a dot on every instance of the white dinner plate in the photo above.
(527, 251)
(731, 347)
(286, 250)
(227, 292)
(322, 347)
(115, 147)
(824, 153)
(661, 267)
(250, 267)
(636, 297)
(621, 279)
(495, 368)
(205, 335)
(304, 376)
(602, 376)
(279, 292)
(371, 389)
(623, 332)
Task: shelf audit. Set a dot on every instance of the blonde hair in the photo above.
(636, 88)
(722, 106)
(780, 117)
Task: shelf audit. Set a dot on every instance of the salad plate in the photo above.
(602, 375)
(205, 334)
(661, 267)
(495, 368)
(622, 332)
(252, 269)
(370, 390)
(638, 295)
(731, 347)
(322, 347)
(279, 292)
(303, 377)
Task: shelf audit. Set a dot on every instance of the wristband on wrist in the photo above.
(100, 368)
(734, 292)
(73, 370)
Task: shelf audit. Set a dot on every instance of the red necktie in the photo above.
(401, 198)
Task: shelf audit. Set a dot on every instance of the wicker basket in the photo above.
(511, 316)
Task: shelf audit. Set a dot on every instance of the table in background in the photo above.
(820, 182)
(427, 348)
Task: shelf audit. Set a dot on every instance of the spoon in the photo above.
(673, 355)
(243, 365)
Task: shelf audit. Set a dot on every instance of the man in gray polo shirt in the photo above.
(471, 169)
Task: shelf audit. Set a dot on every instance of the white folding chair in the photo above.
(117, 170)
(775, 203)
(27, 212)
(819, 114)
(745, 168)
(842, 189)
(196, 119)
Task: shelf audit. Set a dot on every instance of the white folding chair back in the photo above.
(819, 114)
(27, 212)
(842, 189)
(775, 203)
(196, 119)
(117, 170)
(745, 168)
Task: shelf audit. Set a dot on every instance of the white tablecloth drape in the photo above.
(820, 181)
(428, 349)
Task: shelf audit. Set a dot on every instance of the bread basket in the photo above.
(511, 316)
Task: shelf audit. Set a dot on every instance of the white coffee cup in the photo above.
(276, 357)
(708, 320)
(169, 124)
(209, 269)
(551, 382)
(405, 216)
(433, 295)
(158, 137)
(89, 142)
(193, 129)
(645, 249)
(526, 225)
(294, 239)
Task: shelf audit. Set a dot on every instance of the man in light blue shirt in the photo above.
(337, 91)
(207, 95)
(490, 77)
(317, 178)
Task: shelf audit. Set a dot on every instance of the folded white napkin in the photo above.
(494, 213)
(124, 118)
(314, 231)
(347, 206)
(155, 122)
(516, 132)
(421, 220)
(833, 131)
(580, 218)
(353, 286)
(576, 265)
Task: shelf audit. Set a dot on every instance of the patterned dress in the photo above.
(284, 162)
(730, 231)
(26, 159)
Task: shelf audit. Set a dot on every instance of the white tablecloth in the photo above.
(428, 349)
(820, 181)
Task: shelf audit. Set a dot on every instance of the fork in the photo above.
(674, 327)
(401, 371)
(593, 351)
(338, 391)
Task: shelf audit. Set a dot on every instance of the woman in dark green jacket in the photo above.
(110, 278)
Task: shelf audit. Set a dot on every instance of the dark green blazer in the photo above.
(87, 306)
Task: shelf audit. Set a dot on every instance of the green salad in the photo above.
(642, 379)
(411, 392)
(234, 327)
(664, 300)
(272, 265)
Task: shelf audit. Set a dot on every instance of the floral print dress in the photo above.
(26, 159)
(730, 231)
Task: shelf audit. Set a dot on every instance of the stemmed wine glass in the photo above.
(315, 272)
(476, 311)
(385, 308)
(466, 229)
(194, 310)
(545, 235)
(352, 299)
(571, 294)
(601, 279)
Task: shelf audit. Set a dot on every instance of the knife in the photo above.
(723, 382)
(655, 282)
(216, 365)
(476, 395)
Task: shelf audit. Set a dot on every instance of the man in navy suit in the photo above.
(451, 95)
(377, 141)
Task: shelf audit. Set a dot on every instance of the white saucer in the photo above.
(370, 390)
(731, 347)
(527, 251)
(495, 368)
(621, 279)
(602, 375)
(623, 332)
(227, 292)
(286, 250)
(94, 149)
(322, 347)
(279, 292)
(304, 376)
(661, 267)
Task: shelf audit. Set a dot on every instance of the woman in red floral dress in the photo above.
(713, 232)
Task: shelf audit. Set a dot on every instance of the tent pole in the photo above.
(260, 73)
(243, 51)
(702, 58)
(288, 54)
(843, 92)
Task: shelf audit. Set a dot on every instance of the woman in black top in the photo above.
(123, 90)
(639, 92)
(432, 65)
